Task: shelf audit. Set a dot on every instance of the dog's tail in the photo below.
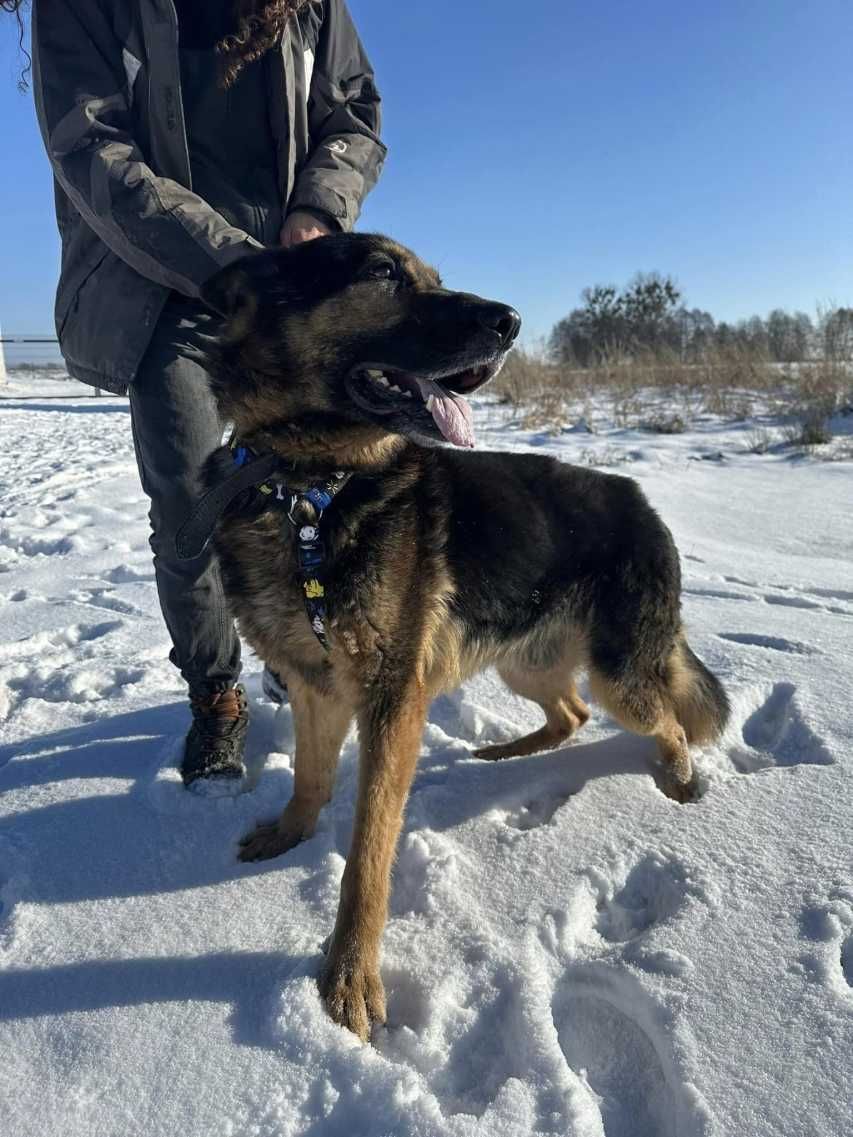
(700, 702)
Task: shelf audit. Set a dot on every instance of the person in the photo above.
(183, 135)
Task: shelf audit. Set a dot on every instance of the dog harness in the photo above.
(303, 508)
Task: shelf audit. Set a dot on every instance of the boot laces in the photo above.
(215, 714)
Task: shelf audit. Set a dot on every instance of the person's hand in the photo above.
(301, 226)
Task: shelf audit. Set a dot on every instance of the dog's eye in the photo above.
(386, 270)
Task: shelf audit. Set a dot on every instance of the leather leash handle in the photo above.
(193, 536)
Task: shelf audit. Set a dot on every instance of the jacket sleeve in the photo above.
(343, 122)
(156, 225)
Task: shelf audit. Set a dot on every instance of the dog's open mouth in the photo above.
(388, 391)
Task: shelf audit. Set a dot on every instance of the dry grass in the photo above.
(731, 383)
(760, 440)
(811, 430)
(662, 423)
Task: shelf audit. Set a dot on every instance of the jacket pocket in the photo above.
(71, 291)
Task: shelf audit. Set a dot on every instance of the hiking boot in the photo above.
(217, 737)
(274, 687)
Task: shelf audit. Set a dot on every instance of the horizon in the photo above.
(706, 150)
(14, 337)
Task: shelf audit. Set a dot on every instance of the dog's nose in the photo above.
(502, 320)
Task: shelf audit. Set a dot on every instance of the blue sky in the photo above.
(536, 149)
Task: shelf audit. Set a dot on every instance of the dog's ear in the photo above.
(234, 292)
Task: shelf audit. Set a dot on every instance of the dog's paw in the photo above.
(297, 823)
(268, 841)
(494, 753)
(682, 792)
(353, 994)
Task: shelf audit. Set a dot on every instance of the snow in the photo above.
(568, 951)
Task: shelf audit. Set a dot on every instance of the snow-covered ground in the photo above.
(568, 951)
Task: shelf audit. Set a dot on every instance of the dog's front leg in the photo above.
(320, 722)
(390, 743)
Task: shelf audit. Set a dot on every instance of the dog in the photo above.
(344, 364)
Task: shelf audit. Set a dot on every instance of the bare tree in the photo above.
(649, 304)
(837, 335)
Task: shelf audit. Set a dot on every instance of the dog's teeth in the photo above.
(429, 402)
(377, 377)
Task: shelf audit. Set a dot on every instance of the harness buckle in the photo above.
(295, 499)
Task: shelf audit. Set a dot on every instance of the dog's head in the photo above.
(348, 340)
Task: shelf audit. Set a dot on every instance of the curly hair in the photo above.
(260, 24)
(16, 6)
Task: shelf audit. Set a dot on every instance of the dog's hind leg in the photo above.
(320, 723)
(555, 692)
(643, 704)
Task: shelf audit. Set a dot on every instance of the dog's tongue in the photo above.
(451, 413)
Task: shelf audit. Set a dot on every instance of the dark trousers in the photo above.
(175, 427)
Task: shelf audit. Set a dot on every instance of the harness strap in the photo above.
(193, 536)
(304, 508)
(306, 511)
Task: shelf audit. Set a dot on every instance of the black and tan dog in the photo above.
(346, 354)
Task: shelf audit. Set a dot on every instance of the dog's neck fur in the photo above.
(313, 445)
(312, 453)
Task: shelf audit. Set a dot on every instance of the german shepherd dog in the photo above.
(347, 354)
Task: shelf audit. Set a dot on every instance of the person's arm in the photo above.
(343, 122)
(157, 226)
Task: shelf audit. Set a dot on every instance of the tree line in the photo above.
(649, 314)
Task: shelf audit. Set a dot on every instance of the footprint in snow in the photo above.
(28, 546)
(776, 733)
(797, 597)
(652, 893)
(802, 601)
(791, 601)
(85, 633)
(616, 1037)
(619, 1043)
(717, 594)
(425, 874)
(475, 1034)
(72, 636)
(539, 808)
(75, 685)
(462, 718)
(482, 1058)
(830, 924)
(127, 574)
(6, 907)
(833, 593)
(99, 598)
(10, 882)
(20, 595)
(847, 960)
(623, 915)
(770, 643)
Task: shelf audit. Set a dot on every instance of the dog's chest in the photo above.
(267, 592)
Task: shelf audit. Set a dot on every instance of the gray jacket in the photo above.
(106, 77)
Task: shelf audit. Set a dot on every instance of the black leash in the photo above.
(193, 536)
(305, 509)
